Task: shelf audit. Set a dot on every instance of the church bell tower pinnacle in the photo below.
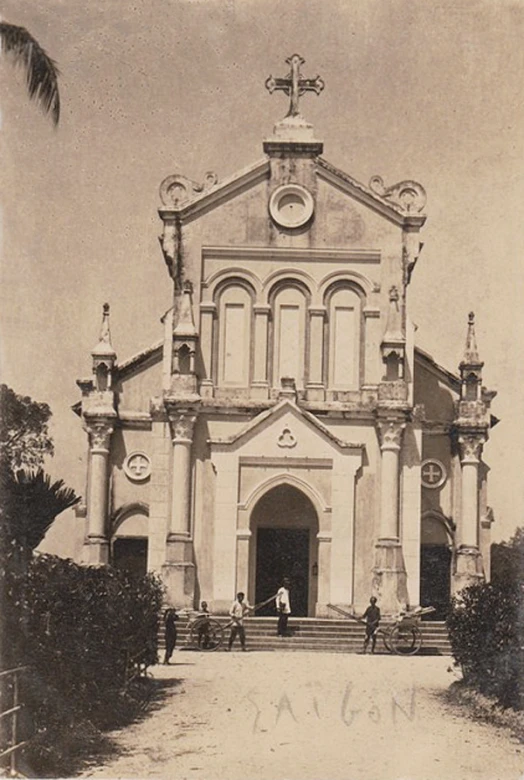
(471, 427)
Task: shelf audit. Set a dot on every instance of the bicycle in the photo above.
(207, 633)
(404, 636)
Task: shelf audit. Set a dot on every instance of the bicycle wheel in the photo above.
(405, 640)
(386, 638)
(207, 634)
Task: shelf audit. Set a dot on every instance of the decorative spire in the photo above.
(104, 348)
(471, 354)
(185, 324)
(394, 334)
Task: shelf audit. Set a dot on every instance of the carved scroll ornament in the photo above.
(177, 190)
(409, 195)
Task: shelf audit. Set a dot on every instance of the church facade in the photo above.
(288, 424)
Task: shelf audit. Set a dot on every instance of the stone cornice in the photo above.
(304, 254)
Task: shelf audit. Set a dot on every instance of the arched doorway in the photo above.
(129, 542)
(284, 527)
(435, 566)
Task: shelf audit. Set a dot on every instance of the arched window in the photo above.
(184, 359)
(289, 335)
(344, 312)
(471, 388)
(234, 337)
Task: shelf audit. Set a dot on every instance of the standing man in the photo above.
(372, 618)
(238, 611)
(170, 618)
(283, 605)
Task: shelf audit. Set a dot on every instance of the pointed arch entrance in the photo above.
(284, 528)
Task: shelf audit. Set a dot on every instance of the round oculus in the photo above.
(291, 205)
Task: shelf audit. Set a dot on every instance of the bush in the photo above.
(486, 632)
(82, 627)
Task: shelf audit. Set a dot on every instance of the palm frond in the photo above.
(41, 71)
(32, 502)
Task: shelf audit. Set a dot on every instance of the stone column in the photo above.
(182, 426)
(469, 562)
(389, 573)
(315, 385)
(178, 572)
(99, 432)
(260, 384)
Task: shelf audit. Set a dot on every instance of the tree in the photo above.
(507, 560)
(41, 71)
(24, 435)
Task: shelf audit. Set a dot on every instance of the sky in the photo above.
(431, 91)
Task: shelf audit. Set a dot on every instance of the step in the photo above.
(317, 635)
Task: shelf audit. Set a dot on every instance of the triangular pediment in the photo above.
(270, 417)
(188, 200)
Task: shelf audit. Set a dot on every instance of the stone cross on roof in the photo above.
(294, 85)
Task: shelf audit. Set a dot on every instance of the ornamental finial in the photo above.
(471, 354)
(104, 347)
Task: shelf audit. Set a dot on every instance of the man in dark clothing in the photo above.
(170, 618)
(372, 618)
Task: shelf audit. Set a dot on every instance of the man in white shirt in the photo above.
(283, 605)
(238, 611)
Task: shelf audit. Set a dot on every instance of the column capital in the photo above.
(471, 446)
(391, 432)
(99, 432)
(182, 425)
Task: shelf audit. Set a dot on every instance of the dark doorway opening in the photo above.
(435, 571)
(283, 552)
(130, 555)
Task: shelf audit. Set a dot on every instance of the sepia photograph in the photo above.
(261, 389)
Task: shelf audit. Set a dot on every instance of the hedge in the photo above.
(486, 630)
(81, 627)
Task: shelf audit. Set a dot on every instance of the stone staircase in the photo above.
(317, 635)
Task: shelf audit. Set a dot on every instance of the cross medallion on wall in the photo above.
(294, 85)
(432, 473)
(137, 466)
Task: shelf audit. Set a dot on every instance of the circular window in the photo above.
(291, 205)
(137, 466)
(432, 473)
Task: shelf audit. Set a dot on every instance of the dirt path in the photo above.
(301, 716)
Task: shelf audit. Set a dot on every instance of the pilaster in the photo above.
(207, 318)
(260, 384)
(315, 387)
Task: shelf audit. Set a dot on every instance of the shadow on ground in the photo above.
(85, 746)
